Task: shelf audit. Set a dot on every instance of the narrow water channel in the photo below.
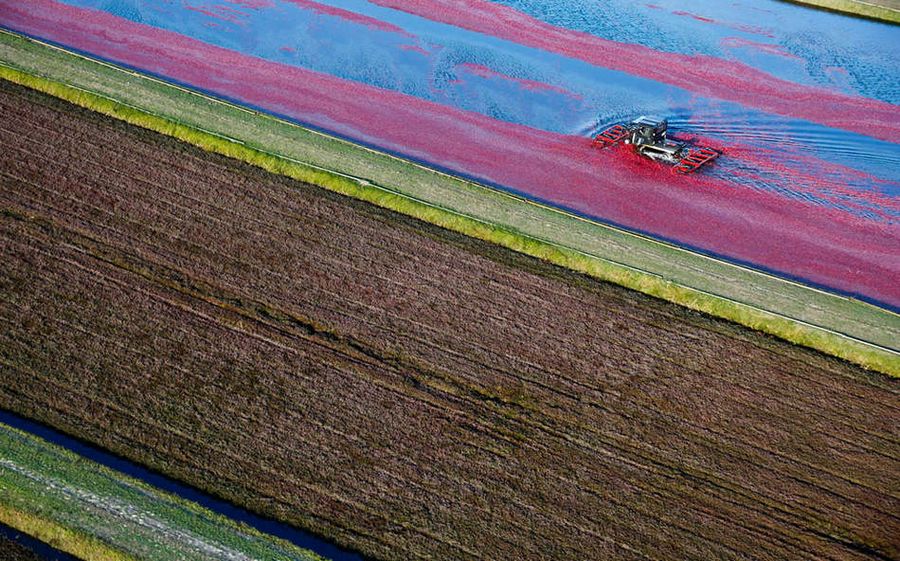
(269, 526)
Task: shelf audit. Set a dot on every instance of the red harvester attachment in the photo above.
(696, 158)
(611, 136)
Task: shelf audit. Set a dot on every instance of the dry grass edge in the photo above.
(64, 539)
(867, 10)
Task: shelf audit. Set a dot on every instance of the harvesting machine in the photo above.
(648, 136)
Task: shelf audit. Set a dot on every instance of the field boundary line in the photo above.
(890, 362)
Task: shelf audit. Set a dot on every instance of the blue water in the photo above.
(298, 537)
(301, 37)
(827, 44)
(731, 122)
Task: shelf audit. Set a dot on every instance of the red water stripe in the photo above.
(353, 17)
(223, 13)
(823, 245)
(704, 75)
(253, 4)
(483, 71)
(769, 49)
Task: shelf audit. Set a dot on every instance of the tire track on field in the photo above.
(832, 474)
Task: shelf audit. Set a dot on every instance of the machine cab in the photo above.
(648, 130)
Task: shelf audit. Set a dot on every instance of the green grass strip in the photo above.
(64, 539)
(786, 309)
(873, 9)
(97, 513)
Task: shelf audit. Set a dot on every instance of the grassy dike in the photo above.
(836, 325)
(97, 514)
(882, 10)
(73, 542)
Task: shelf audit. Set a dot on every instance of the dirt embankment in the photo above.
(408, 392)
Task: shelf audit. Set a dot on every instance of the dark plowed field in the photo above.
(411, 393)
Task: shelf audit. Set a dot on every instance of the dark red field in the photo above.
(411, 393)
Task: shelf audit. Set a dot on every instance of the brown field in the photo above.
(408, 392)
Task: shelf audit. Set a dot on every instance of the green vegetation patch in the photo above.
(884, 10)
(841, 326)
(95, 513)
